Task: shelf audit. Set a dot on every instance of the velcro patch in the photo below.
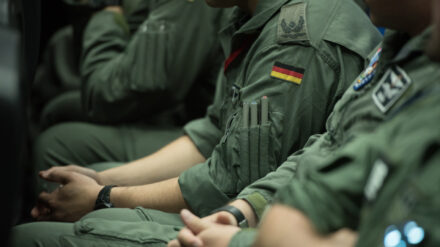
(287, 73)
(292, 24)
(390, 88)
(376, 179)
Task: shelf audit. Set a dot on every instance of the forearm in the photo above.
(166, 163)
(165, 196)
(284, 226)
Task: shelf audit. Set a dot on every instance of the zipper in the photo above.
(228, 127)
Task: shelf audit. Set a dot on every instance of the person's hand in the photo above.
(213, 231)
(74, 198)
(74, 168)
(341, 238)
(114, 9)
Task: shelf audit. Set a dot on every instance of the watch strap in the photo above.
(239, 216)
(103, 200)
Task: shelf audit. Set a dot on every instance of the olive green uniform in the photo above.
(312, 173)
(385, 179)
(59, 73)
(147, 85)
(306, 37)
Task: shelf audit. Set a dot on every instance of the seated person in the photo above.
(227, 150)
(328, 194)
(141, 87)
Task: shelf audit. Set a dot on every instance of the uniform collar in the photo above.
(242, 23)
(411, 47)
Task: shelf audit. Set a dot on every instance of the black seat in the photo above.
(12, 130)
(19, 48)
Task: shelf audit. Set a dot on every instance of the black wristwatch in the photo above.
(241, 220)
(103, 200)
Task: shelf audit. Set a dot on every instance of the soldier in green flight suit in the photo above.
(142, 86)
(289, 62)
(387, 189)
(327, 180)
(58, 75)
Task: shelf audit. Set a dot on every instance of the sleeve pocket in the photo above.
(120, 233)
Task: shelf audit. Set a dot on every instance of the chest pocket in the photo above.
(252, 151)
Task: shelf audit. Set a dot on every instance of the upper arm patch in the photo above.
(292, 23)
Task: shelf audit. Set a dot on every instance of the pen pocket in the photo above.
(259, 148)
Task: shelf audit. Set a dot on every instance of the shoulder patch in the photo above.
(292, 24)
(391, 87)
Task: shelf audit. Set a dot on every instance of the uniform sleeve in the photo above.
(330, 193)
(297, 110)
(127, 77)
(244, 238)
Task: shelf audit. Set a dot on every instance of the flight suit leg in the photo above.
(85, 144)
(106, 227)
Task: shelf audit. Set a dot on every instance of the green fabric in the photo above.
(409, 145)
(332, 56)
(107, 227)
(85, 144)
(356, 112)
(168, 64)
(333, 179)
(59, 70)
(245, 237)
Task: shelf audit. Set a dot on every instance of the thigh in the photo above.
(40, 234)
(85, 144)
(124, 227)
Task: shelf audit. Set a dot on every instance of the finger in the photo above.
(225, 218)
(187, 238)
(194, 223)
(58, 176)
(174, 243)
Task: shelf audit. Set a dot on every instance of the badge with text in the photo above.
(287, 73)
(368, 74)
(391, 87)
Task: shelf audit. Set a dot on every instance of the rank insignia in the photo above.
(368, 74)
(292, 24)
(390, 88)
(287, 73)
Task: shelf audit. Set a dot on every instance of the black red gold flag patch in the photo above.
(287, 73)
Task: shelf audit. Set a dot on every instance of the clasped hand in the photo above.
(215, 230)
(74, 198)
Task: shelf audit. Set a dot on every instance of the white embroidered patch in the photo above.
(390, 88)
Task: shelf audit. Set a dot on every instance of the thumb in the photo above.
(194, 223)
(58, 176)
(226, 218)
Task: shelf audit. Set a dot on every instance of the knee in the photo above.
(51, 146)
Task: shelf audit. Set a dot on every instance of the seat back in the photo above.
(12, 130)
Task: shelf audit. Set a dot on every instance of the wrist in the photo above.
(240, 219)
(103, 198)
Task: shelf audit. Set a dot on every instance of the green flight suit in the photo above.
(382, 179)
(322, 48)
(146, 85)
(311, 172)
(58, 73)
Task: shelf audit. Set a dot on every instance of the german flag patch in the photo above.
(287, 73)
